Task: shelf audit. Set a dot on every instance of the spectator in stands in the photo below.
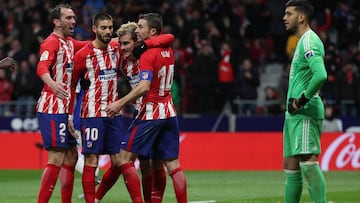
(283, 86)
(247, 80)
(204, 68)
(226, 76)
(346, 88)
(345, 21)
(6, 90)
(26, 89)
(184, 56)
(272, 101)
(291, 45)
(16, 51)
(332, 68)
(277, 29)
(330, 123)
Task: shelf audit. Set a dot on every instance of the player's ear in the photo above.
(153, 31)
(301, 17)
(56, 22)
(94, 28)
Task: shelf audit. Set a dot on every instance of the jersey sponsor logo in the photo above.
(133, 80)
(105, 75)
(44, 56)
(309, 54)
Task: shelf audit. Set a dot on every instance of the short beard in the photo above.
(101, 39)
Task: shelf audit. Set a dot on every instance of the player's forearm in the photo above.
(319, 77)
(137, 92)
(47, 79)
(163, 40)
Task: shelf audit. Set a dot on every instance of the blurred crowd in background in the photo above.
(223, 49)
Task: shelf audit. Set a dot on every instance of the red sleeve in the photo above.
(79, 68)
(146, 61)
(163, 40)
(48, 51)
(78, 44)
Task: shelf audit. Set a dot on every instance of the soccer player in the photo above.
(130, 70)
(55, 68)
(305, 112)
(7, 63)
(98, 61)
(155, 128)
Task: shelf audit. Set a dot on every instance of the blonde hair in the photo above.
(127, 28)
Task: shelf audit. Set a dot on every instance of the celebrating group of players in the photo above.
(153, 134)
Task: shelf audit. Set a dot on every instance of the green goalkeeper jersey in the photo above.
(307, 75)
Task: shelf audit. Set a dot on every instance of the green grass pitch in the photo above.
(18, 186)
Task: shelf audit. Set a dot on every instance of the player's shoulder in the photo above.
(84, 50)
(51, 41)
(310, 41)
(310, 38)
(157, 51)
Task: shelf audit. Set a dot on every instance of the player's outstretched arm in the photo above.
(7, 63)
(163, 40)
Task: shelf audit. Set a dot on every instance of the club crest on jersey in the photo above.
(113, 56)
(44, 56)
(145, 76)
(309, 54)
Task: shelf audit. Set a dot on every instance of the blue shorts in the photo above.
(54, 131)
(158, 139)
(102, 135)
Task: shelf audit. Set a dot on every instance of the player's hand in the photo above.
(113, 109)
(295, 104)
(139, 49)
(71, 129)
(59, 91)
(7, 62)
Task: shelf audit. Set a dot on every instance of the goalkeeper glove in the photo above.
(295, 104)
(139, 49)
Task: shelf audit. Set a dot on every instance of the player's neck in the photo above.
(302, 29)
(59, 34)
(98, 44)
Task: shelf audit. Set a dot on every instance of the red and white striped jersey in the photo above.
(101, 67)
(130, 69)
(157, 102)
(56, 58)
